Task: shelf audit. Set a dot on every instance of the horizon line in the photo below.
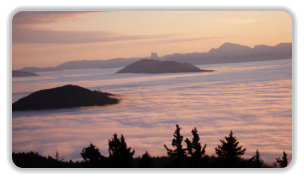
(149, 56)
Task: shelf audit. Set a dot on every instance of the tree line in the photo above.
(228, 155)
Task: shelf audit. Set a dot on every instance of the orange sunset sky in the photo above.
(48, 38)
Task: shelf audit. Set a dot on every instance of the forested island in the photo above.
(156, 66)
(64, 97)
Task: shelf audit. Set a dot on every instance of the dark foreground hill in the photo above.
(156, 66)
(18, 73)
(63, 97)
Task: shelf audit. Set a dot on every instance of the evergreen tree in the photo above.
(58, 157)
(257, 162)
(145, 160)
(120, 154)
(195, 149)
(283, 162)
(257, 156)
(178, 154)
(229, 148)
(91, 156)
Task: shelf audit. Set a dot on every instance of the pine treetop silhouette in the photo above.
(119, 152)
(256, 160)
(229, 154)
(146, 160)
(194, 147)
(283, 162)
(230, 148)
(91, 153)
(257, 156)
(179, 151)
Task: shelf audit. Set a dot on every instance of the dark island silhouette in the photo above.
(155, 66)
(18, 73)
(64, 97)
(226, 53)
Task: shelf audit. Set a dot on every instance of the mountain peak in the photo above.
(227, 44)
(229, 48)
(232, 45)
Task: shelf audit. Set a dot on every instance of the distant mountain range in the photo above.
(17, 73)
(234, 53)
(84, 64)
(226, 53)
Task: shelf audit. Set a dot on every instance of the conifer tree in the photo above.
(178, 154)
(257, 162)
(229, 148)
(91, 155)
(257, 156)
(120, 154)
(194, 147)
(179, 151)
(283, 162)
(57, 156)
(146, 160)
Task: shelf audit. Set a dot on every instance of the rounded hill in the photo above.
(64, 97)
(156, 66)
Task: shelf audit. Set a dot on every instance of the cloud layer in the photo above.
(252, 99)
(36, 17)
(21, 35)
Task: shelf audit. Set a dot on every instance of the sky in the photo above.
(48, 38)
